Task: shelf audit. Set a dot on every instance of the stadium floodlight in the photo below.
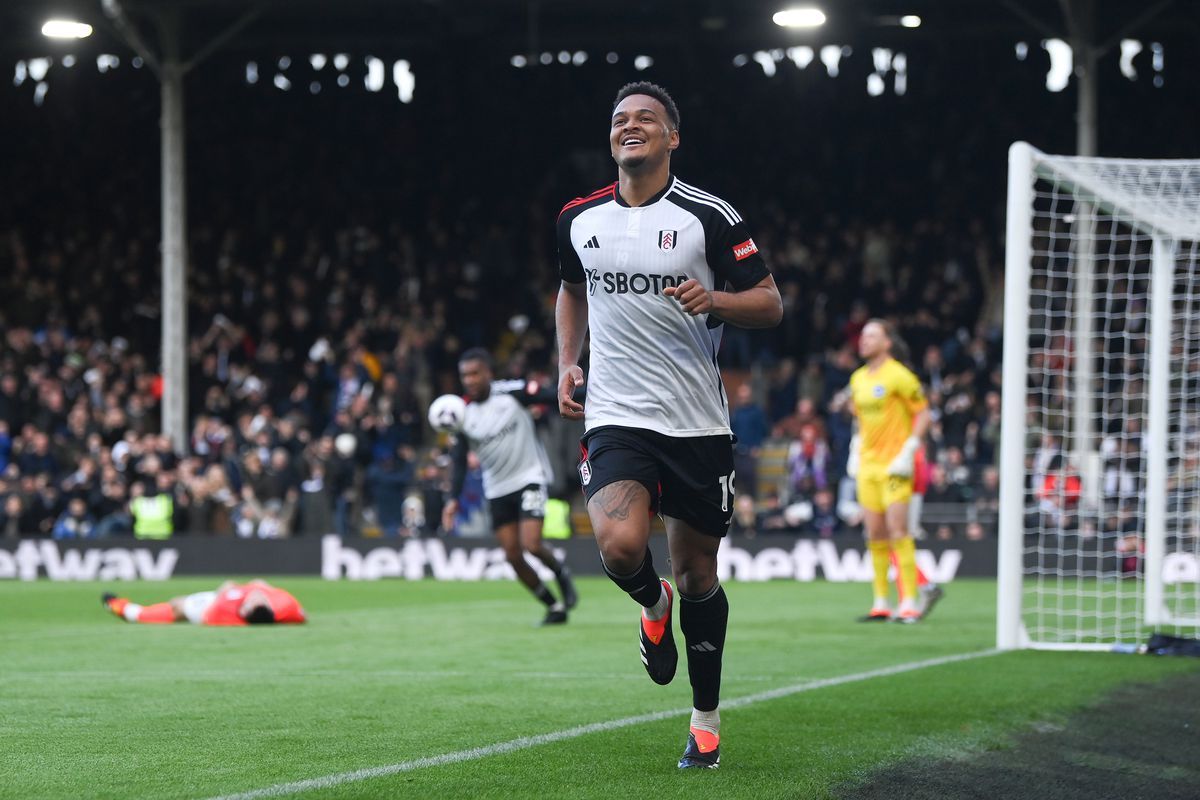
(66, 29)
(1061, 64)
(1129, 50)
(1100, 420)
(808, 17)
(910, 21)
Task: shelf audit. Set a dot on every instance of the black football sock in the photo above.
(544, 594)
(546, 556)
(643, 585)
(703, 621)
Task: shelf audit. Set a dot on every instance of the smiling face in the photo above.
(642, 136)
(476, 378)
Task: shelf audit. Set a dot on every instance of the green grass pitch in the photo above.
(393, 672)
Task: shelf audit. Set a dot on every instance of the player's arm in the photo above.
(914, 399)
(570, 321)
(528, 392)
(458, 477)
(754, 301)
(757, 307)
(852, 458)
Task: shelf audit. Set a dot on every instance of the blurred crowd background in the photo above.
(344, 248)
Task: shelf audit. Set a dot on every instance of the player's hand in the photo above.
(902, 464)
(568, 382)
(449, 512)
(692, 296)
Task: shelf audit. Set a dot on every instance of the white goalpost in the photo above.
(1100, 444)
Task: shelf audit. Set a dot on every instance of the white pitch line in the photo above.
(235, 674)
(525, 742)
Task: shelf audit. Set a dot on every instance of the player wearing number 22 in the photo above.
(500, 431)
(655, 267)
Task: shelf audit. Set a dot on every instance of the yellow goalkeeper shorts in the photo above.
(877, 490)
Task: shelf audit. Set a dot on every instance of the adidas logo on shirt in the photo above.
(592, 243)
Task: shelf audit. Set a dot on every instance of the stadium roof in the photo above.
(529, 25)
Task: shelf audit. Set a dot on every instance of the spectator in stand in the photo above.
(1058, 496)
(783, 391)
(986, 502)
(838, 369)
(153, 508)
(808, 462)
(824, 522)
(942, 494)
(957, 471)
(794, 425)
(745, 517)
(812, 382)
(988, 451)
(6, 444)
(933, 369)
(325, 321)
(748, 421)
(15, 518)
(388, 480)
(75, 522)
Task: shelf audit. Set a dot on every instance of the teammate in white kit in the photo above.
(515, 475)
(655, 267)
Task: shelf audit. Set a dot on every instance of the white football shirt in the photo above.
(652, 365)
(501, 433)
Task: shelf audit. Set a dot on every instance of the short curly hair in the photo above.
(651, 90)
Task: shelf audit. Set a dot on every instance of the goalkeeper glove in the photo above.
(902, 464)
(852, 461)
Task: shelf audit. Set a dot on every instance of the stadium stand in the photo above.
(329, 295)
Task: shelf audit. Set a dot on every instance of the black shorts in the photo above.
(689, 478)
(527, 503)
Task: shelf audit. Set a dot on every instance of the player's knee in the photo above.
(513, 553)
(622, 556)
(694, 577)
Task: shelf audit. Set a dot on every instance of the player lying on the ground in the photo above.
(253, 603)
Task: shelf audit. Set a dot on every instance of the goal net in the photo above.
(1100, 451)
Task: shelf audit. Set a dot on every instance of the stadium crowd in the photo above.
(308, 386)
(330, 294)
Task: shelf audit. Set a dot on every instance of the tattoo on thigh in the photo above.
(616, 499)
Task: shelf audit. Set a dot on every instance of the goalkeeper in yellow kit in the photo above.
(892, 419)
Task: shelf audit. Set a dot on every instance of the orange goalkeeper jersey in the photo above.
(224, 609)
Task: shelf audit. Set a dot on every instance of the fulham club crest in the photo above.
(667, 239)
